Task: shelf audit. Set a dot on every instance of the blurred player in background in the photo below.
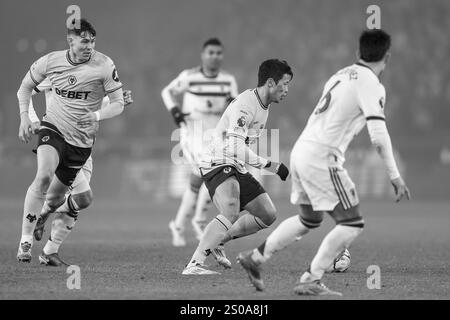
(80, 78)
(203, 93)
(78, 197)
(232, 188)
(352, 98)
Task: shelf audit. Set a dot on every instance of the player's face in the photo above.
(280, 90)
(212, 57)
(82, 45)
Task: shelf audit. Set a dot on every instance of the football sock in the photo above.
(290, 230)
(214, 233)
(201, 209)
(339, 238)
(244, 226)
(34, 201)
(62, 225)
(186, 209)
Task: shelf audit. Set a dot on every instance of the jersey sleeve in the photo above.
(111, 80)
(38, 70)
(240, 118)
(371, 98)
(105, 102)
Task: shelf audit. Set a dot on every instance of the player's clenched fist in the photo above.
(278, 168)
(25, 128)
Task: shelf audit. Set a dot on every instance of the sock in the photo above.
(214, 233)
(204, 202)
(244, 226)
(62, 225)
(186, 209)
(290, 230)
(34, 201)
(334, 242)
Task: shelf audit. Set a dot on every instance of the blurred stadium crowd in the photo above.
(151, 42)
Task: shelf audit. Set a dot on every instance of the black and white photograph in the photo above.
(225, 156)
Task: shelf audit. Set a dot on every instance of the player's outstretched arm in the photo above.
(381, 140)
(24, 97)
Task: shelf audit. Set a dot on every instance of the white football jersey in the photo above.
(350, 97)
(46, 87)
(245, 118)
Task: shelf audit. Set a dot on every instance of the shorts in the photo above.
(71, 158)
(319, 180)
(249, 187)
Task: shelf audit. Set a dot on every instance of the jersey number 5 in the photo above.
(325, 100)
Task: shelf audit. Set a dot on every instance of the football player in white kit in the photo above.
(352, 98)
(78, 198)
(204, 93)
(231, 187)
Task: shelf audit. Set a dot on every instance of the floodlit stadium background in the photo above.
(152, 41)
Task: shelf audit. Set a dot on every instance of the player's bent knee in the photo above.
(310, 218)
(310, 224)
(54, 201)
(84, 199)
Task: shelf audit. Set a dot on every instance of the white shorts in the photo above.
(318, 179)
(83, 178)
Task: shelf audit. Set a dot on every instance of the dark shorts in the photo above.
(249, 187)
(71, 158)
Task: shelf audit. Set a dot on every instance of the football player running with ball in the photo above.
(231, 187)
(352, 98)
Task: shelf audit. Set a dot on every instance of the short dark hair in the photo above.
(212, 42)
(373, 45)
(273, 68)
(85, 26)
